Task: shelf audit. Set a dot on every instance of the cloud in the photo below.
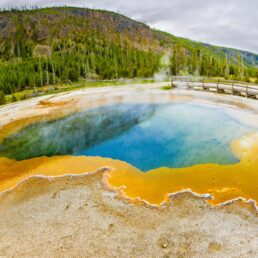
(231, 23)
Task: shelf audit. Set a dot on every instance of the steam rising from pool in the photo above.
(147, 136)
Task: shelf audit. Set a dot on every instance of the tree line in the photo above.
(92, 57)
(71, 60)
(203, 63)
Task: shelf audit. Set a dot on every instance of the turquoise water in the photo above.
(146, 136)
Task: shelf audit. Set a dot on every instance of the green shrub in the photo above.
(168, 87)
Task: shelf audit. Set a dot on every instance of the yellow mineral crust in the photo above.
(222, 182)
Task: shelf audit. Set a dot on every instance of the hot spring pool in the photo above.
(148, 136)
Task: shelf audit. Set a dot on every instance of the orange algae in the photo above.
(13, 172)
(223, 182)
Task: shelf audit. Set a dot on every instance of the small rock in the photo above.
(165, 245)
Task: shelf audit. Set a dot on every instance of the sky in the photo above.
(230, 23)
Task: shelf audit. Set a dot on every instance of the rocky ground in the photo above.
(77, 217)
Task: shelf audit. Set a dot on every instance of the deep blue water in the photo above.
(146, 136)
(176, 135)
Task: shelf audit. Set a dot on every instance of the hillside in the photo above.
(47, 46)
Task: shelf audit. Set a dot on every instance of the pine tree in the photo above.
(226, 67)
(2, 98)
(240, 68)
(256, 81)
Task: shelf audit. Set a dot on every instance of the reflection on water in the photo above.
(146, 136)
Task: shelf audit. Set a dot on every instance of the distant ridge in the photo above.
(249, 57)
